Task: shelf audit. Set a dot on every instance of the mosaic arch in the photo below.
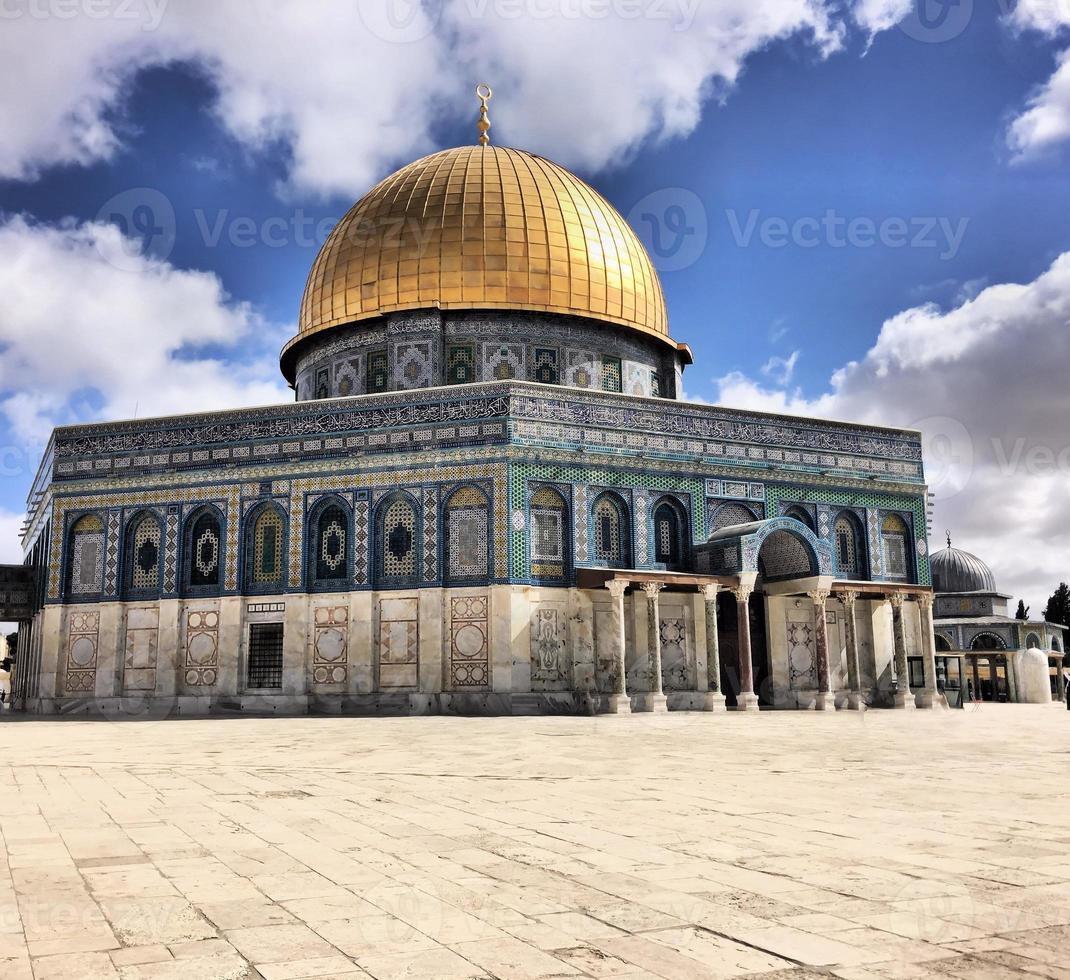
(988, 641)
(397, 541)
(794, 550)
(849, 546)
(466, 518)
(85, 557)
(143, 554)
(330, 533)
(264, 549)
(671, 538)
(611, 533)
(550, 534)
(203, 543)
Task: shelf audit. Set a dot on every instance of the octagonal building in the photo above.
(488, 497)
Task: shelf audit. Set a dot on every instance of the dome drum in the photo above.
(432, 348)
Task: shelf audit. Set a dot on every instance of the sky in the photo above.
(860, 209)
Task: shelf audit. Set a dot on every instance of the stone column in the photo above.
(903, 697)
(929, 697)
(746, 700)
(654, 699)
(826, 698)
(713, 700)
(850, 635)
(618, 702)
(993, 675)
(1060, 680)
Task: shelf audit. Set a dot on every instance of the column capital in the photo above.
(709, 592)
(617, 587)
(896, 599)
(848, 597)
(925, 599)
(743, 592)
(652, 589)
(819, 596)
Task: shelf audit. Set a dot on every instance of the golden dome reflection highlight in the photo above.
(483, 227)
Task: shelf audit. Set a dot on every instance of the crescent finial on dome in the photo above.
(484, 93)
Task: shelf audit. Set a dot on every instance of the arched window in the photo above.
(467, 522)
(801, 514)
(849, 546)
(264, 558)
(203, 552)
(611, 531)
(142, 556)
(988, 641)
(1032, 642)
(894, 544)
(398, 541)
(670, 544)
(1056, 645)
(943, 645)
(85, 557)
(328, 560)
(731, 515)
(549, 556)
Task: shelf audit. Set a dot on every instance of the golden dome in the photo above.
(483, 228)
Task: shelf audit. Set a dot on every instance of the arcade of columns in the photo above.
(746, 699)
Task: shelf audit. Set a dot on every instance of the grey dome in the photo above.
(955, 570)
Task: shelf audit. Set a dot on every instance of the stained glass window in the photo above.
(612, 379)
(87, 555)
(399, 540)
(609, 532)
(331, 558)
(378, 374)
(144, 554)
(467, 534)
(460, 365)
(547, 534)
(847, 548)
(655, 384)
(668, 549)
(267, 548)
(894, 542)
(204, 545)
(323, 388)
(546, 370)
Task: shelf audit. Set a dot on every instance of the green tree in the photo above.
(1058, 608)
(1023, 610)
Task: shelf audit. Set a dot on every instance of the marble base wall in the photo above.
(486, 650)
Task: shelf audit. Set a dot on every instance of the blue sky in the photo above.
(767, 124)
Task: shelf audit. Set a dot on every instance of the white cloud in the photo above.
(986, 384)
(874, 16)
(90, 330)
(351, 87)
(1045, 121)
(781, 369)
(588, 90)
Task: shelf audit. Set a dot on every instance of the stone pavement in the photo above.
(685, 846)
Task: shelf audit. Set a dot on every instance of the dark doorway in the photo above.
(728, 642)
